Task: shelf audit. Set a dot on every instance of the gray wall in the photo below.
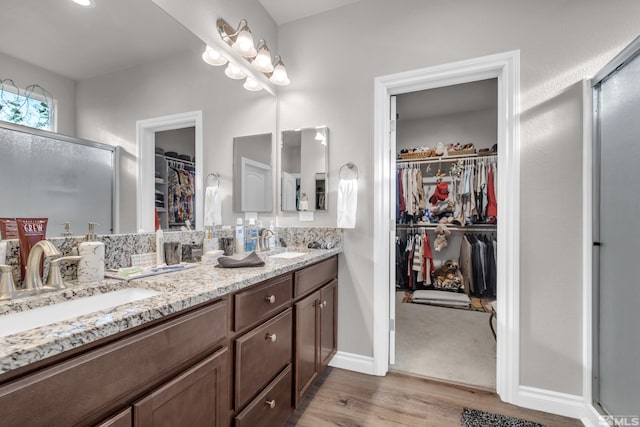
(477, 127)
(62, 89)
(333, 59)
(109, 106)
(181, 141)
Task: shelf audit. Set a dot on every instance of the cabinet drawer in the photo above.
(260, 354)
(257, 303)
(314, 276)
(272, 407)
(109, 376)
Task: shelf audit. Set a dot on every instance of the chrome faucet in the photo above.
(33, 279)
(264, 239)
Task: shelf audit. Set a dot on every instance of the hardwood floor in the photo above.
(348, 399)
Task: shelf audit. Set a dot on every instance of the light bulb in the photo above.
(233, 72)
(279, 76)
(244, 43)
(85, 3)
(213, 57)
(252, 84)
(262, 61)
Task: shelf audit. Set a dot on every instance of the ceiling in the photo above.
(283, 11)
(456, 99)
(80, 43)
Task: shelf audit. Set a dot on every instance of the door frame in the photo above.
(506, 68)
(145, 141)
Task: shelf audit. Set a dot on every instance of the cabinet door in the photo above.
(196, 398)
(307, 342)
(328, 322)
(123, 419)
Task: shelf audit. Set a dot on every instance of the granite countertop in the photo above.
(178, 291)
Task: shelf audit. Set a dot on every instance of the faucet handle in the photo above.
(7, 285)
(55, 281)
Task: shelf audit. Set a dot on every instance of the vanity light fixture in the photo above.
(252, 84)
(213, 57)
(234, 72)
(279, 75)
(262, 61)
(240, 42)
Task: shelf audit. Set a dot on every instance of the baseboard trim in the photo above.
(593, 418)
(353, 362)
(567, 405)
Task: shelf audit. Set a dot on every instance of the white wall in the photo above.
(109, 106)
(333, 59)
(62, 89)
(477, 127)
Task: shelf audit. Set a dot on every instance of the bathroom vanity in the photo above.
(215, 347)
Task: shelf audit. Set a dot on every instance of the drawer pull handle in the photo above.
(324, 304)
(270, 403)
(270, 337)
(270, 299)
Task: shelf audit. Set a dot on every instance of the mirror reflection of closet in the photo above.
(175, 200)
(252, 173)
(303, 169)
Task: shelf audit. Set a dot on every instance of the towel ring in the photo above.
(216, 176)
(351, 166)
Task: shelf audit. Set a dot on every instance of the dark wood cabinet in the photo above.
(182, 370)
(307, 342)
(260, 355)
(196, 398)
(315, 323)
(272, 407)
(122, 419)
(328, 322)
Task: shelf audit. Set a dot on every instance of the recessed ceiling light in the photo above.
(85, 3)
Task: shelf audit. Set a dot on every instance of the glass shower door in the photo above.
(617, 237)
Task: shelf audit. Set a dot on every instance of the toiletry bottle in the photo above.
(91, 266)
(272, 238)
(251, 236)
(159, 246)
(239, 236)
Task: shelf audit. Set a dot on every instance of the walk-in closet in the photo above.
(446, 217)
(175, 190)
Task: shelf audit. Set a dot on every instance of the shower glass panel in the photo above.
(617, 237)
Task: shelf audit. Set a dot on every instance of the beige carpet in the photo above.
(445, 343)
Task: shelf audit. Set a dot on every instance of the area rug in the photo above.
(475, 418)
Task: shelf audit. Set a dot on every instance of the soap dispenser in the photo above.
(91, 266)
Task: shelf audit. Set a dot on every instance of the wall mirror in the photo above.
(106, 71)
(252, 173)
(303, 169)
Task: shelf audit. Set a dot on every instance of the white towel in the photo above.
(212, 207)
(347, 203)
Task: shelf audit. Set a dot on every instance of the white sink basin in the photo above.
(41, 316)
(288, 255)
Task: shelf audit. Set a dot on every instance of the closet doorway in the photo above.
(446, 233)
(506, 68)
(146, 131)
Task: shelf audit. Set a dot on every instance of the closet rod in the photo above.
(444, 159)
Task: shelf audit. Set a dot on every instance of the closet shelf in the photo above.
(476, 227)
(442, 159)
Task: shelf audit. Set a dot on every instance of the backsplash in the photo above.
(120, 247)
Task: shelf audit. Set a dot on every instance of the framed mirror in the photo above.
(252, 173)
(303, 169)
